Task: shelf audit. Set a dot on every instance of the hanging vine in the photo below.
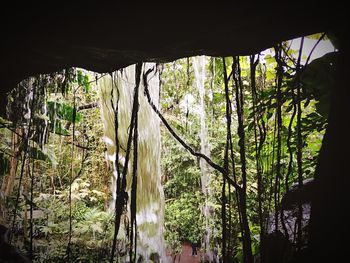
(253, 64)
(116, 162)
(25, 143)
(133, 227)
(271, 158)
(181, 141)
(122, 198)
(31, 231)
(71, 179)
(229, 151)
(299, 145)
(278, 175)
(236, 74)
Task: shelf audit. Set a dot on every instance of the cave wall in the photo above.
(103, 37)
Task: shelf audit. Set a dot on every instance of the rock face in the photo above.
(103, 37)
(288, 213)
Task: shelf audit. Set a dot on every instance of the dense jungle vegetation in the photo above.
(258, 120)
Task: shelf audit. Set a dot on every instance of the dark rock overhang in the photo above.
(103, 37)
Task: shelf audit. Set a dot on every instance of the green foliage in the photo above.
(55, 165)
(83, 81)
(64, 168)
(183, 218)
(62, 111)
(181, 171)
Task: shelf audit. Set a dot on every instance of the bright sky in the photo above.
(325, 46)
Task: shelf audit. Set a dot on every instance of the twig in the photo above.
(87, 106)
(313, 48)
(186, 146)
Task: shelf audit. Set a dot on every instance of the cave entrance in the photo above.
(247, 130)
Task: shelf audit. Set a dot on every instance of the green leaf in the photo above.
(63, 111)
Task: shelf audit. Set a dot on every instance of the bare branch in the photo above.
(182, 142)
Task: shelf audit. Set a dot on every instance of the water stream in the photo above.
(150, 197)
(199, 67)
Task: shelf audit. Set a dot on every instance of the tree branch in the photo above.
(186, 146)
(87, 106)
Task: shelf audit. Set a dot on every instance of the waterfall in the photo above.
(199, 64)
(150, 196)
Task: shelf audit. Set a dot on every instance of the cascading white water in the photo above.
(199, 76)
(150, 196)
(199, 67)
